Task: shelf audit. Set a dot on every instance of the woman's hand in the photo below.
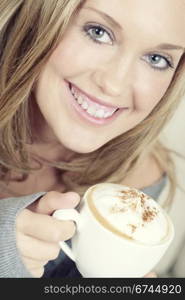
(38, 233)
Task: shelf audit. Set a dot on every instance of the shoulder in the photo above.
(146, 174)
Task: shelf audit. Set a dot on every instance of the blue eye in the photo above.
(159, 62)
(98, 34)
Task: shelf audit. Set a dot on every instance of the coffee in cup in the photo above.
(121, 232)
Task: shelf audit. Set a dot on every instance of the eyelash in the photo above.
(168, 60)
(86, 28)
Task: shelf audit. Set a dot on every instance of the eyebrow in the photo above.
(106, 17)
(164, 46)
(170, 47)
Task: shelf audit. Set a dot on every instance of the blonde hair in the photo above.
(29, 32)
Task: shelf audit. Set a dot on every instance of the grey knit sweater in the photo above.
(11, 265)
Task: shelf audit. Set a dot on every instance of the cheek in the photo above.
(150, 88)
(68, 59)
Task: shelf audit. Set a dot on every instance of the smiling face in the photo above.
(110, 70)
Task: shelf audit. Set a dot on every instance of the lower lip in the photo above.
(85, 116)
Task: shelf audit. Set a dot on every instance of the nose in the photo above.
(114, 78)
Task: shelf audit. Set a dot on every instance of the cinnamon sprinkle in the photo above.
(133, 228)
(149, 214)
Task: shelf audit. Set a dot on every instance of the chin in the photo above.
(80, 147)
(85, 149)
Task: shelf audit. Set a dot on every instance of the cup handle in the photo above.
(65, 215)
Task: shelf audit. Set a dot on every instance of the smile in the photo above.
(93, 109)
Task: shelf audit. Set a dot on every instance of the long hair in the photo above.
(29, 32)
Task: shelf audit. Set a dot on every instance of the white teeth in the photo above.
(80, 99)
(108, 114)
(85, 105)
(91, 110)
(72, 91)
(100, 113)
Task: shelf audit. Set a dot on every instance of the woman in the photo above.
(86, 88)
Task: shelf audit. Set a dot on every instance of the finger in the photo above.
(43, 227)
(38, 272)
(36, 249)
(55, 200)
(32, 263)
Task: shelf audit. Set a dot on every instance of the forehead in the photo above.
(152, 18)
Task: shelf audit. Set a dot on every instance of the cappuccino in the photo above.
(121, 232)
(128, 213)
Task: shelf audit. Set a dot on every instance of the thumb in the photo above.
(52, 201)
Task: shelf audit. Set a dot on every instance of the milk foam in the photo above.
(131, 212)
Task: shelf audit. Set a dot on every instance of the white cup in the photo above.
(100, 252)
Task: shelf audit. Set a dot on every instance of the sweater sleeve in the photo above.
(11, 264)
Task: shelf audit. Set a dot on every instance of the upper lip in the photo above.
(95, 99)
